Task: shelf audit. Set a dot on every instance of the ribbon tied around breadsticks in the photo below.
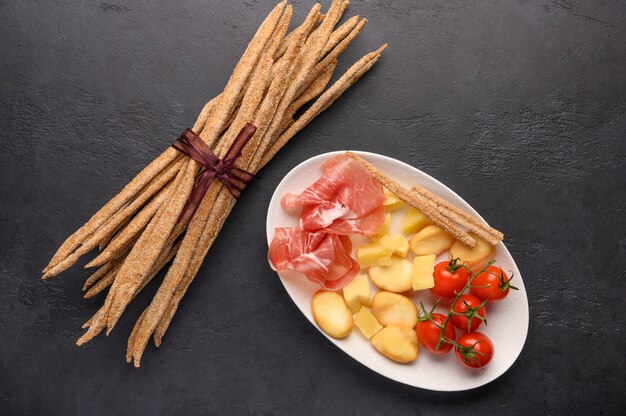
(225, 170)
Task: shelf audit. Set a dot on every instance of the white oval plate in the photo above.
(508, 319)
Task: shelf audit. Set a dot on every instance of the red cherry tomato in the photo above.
(492, 284)
(428, 334)
(474, 310)
(474, 350)
(449, 278)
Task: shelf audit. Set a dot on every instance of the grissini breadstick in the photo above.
(103, 283)
(464, 219)
(425, 206)
(289, 38)
(336, 51)
(340, 33)
(312, 91)
(135, 185)
(133, 335)
(101, 273)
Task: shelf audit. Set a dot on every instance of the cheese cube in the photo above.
(367, 323)
(413, 221)
(392, 202)
(373, 254)
(357, 293)
(402, 245)
(423, 268)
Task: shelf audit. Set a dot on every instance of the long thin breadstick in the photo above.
(224, 201)
(340, 33)
(133, 335)
(337, 50)
(312, 91)
(425, 206)
(100, 273)
(103, 283)
(487, 233)
(290, 37)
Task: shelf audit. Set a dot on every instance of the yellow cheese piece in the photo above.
(357, 293)
(389, 243)
(373, 254)
(367, 323)
(383, 230)
(423, 268)
(413, 221)
(392, 202)
(397, 244)
(402, 245)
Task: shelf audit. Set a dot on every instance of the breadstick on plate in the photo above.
(468, 221)
(428, 208)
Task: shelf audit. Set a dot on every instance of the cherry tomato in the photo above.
(474, 310)
(492, 284)
(428, 334)
(449, 278)
(474, 350)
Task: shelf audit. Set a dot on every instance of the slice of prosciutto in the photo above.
(322, 257)
(346, 199)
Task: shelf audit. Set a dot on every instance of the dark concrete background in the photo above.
(519, 106)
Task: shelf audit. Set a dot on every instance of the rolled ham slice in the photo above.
(346, 199)
(324, 258)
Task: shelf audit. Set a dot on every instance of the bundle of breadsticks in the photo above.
(137, 231)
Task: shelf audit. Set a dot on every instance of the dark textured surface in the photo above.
(517, 105)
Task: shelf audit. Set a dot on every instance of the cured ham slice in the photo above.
(346, 199)
(322, 257)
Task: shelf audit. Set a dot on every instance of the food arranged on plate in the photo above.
(173, 210)
(371, 274)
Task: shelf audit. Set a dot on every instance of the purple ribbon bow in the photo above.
(233, 178)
